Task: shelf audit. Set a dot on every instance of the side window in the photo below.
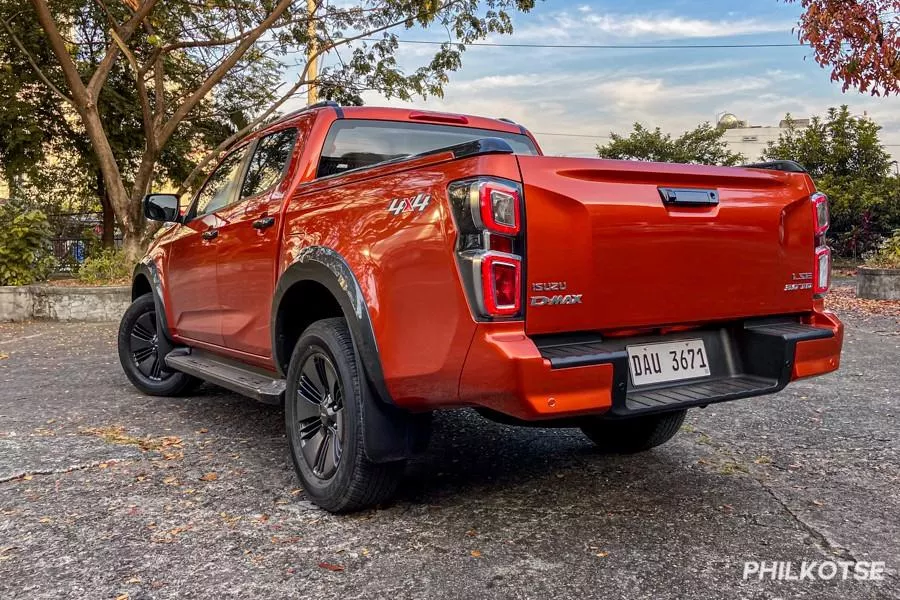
(269, 162)
(219, 188)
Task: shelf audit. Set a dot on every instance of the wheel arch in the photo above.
(320, 282)
(146, 279)
(318, 285)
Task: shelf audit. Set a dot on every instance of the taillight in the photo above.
(821, 217)
(499, 207)
(821, 222)
(822, 271)
(490, 244)
(501, 284)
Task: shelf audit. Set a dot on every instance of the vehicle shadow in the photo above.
(473, 459)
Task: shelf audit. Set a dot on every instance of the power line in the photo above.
(599, 46)
(606, 137)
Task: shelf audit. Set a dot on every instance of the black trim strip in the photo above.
(788, 166)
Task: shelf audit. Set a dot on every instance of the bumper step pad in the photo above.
(746, 359)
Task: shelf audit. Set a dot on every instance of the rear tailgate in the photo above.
(601, 230)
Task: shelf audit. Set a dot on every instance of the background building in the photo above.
(751, 140)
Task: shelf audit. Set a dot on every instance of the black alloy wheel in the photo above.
(141, 355)
(319, 410)
(144, 347)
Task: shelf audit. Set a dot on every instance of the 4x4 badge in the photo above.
(418, 202)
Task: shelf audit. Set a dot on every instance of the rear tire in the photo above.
(140, 355)
(628, 436)
(324, 401)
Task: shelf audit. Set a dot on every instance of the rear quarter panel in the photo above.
(404, 264)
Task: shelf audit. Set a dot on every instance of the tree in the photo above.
(187, 57)
(703, 145)
(845, 157)
(46, 154)
(858, 39)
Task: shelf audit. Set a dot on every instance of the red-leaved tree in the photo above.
(859, 40)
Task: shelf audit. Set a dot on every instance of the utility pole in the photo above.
(312, 72)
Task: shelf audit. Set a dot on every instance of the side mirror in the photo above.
(162, 207)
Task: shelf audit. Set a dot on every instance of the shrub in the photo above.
(888, 255)
(108, 266)
(26, 252)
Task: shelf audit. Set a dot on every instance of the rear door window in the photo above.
(354, 144)
(269, 163)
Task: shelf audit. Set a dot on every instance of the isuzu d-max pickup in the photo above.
(367, 266)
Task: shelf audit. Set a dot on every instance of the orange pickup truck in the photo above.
(367, 266)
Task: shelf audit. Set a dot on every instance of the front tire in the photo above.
(326, 393)
(140, 354)
(638, 434)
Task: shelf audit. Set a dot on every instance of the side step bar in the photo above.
(243, 379)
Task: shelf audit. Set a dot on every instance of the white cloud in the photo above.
(588, 25)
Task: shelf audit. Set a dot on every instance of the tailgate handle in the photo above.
(689, 196)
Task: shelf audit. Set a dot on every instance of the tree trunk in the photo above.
(107, 235)
(133, 246)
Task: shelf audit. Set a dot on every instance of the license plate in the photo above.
(669, 361)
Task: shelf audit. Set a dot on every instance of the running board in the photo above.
(240, 378)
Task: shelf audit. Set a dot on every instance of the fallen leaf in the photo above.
(476, 553)
(209, 477)
(285, 540)
(3, 355)
(818, 503)
(204, 430)
(122, 596)
(170, 480)
(28, 477)
(602, 554)
(331, 567)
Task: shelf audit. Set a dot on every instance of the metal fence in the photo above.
(76, 236)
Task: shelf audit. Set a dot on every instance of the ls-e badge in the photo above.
(556, 299)
(797, 277)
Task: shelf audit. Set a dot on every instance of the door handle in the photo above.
(263, 222)
(210, 234)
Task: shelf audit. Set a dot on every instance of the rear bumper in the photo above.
(564, 376)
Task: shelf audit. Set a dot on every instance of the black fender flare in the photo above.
(147, 268)
(389, 433)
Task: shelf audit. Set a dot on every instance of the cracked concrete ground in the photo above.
(105, 493)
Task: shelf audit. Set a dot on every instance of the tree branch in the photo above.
(301, 81)
(40, 73)
(98, 79)
(169, 128)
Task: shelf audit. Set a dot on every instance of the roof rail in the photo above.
(300, 111)
(788, 166)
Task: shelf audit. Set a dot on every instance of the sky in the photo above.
(573, 98)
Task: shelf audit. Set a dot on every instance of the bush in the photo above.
(26, 252)
(888, 255)
(108, 266)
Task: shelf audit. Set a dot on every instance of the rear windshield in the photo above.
(353, 144)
